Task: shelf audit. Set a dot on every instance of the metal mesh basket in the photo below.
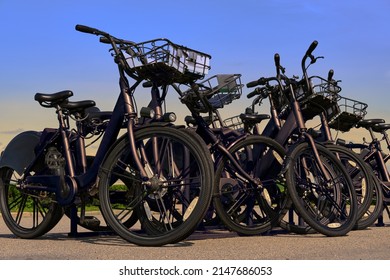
(163, 61)
(234, 123)
(214, 92)
(346, 114)
(324, 95)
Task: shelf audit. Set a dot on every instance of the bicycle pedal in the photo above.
(90, 221)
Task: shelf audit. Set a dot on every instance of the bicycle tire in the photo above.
(329, 206)
(176, 184)
(26, 213)
(361, 176)
(243, 208)
(375, 209)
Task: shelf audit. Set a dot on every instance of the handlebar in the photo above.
(118, 45)
(311, 48)
(277, 60)
(309, 54)
(260, 82)
(105, 40)
(330, 75)
(258, 91)
(90, 30)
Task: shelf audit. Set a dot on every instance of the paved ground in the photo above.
(369, 244)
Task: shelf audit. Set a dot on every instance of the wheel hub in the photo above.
(156, 187)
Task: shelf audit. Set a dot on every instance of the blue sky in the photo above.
(42, 52)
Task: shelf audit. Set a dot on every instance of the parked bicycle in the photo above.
(323, 101)
(374, 155)
(320, 187)
(136, 172)
(248, 196)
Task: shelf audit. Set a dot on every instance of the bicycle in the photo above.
(133, 173)
(318, 184)
(325, 100)
(247, 196)
(373, 154)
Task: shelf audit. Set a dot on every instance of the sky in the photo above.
(40, 50)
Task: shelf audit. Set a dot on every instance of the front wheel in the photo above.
(173, 199)
(325, 200)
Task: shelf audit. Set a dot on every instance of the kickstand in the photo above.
(74, 223)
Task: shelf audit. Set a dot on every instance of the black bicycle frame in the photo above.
(124, 111)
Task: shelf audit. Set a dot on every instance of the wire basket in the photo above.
(234, 123)
(346, 114)
(323, 95)
(161, 60)
(214, 92)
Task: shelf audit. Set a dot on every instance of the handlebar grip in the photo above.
(252, 84)
(87, 29)
(253, 93)
(311, 48)
(277, 60)
(260, 82)
(330, 74)
(104, 40)
(263, 92)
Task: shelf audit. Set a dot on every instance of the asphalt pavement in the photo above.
(210, 244)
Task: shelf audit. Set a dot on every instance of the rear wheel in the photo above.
(375, 209)
(242, 207)
(27, 213)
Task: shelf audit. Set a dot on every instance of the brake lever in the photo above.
(314, 59)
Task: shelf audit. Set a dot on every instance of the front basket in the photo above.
(163, 61)
(346, 114)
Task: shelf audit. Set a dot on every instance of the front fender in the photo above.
(19, 153)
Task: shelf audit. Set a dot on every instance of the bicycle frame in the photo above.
(82, 177)
(79, 176)
(209, 135)
(295, 119)
(376, 154)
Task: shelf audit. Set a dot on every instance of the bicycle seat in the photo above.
(191, 120)
(53, 98)
(78, 106)
(253, 118)
(370, 123)
(382, 127)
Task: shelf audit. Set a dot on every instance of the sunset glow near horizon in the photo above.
(42, 52)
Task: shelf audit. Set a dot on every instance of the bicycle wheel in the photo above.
(361, 177)
(172, 201)
(375, 209)
(242, 207)
(27, 213)
(360, 174)
(326, 201)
